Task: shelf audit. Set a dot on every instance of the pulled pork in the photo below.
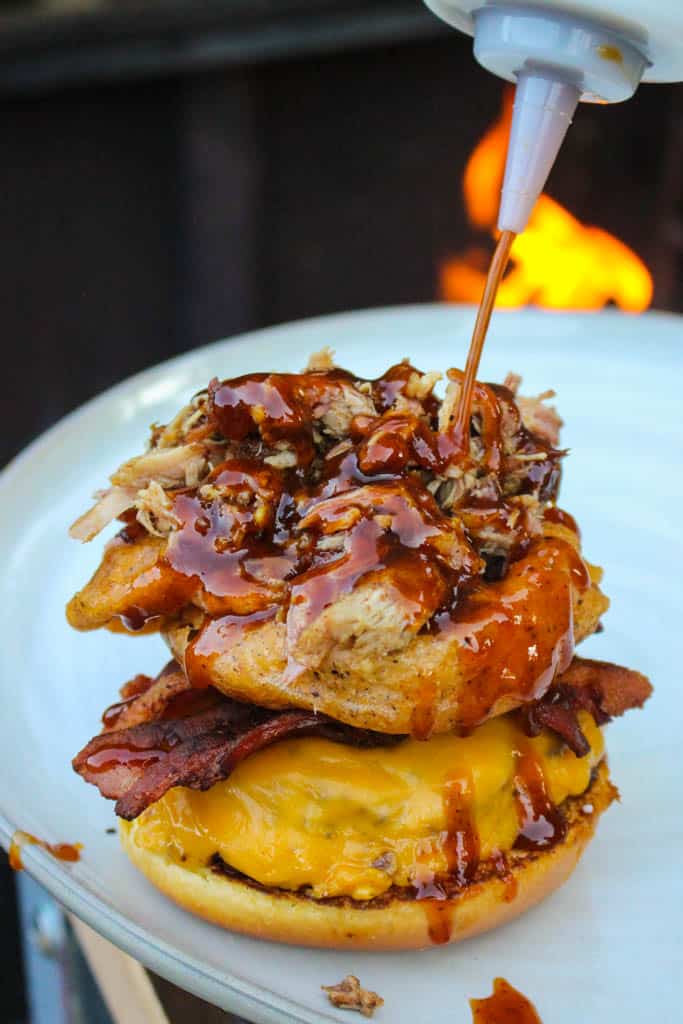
(299, 421)
(269, 486)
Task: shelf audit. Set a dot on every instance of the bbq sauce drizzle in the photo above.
(505, 1006)
(256, 542)
(69, 852)
(481, 325)
(248, 551)
(542, 824)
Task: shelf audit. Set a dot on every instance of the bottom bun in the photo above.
(390, 921)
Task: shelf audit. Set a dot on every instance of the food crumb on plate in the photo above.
(350, 995)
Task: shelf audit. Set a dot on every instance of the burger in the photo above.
(373, 731)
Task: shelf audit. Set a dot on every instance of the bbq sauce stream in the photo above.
(488, 299)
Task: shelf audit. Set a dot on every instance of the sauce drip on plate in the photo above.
(69, 852)
(505, 1006)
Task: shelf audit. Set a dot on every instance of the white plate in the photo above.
(607, 947)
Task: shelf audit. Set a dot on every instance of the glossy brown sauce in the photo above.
(439, 914)
(515, 635)
(257, 543)
(461, 844)
(279, 404)
(423, 713)
(553, 514)
(504, 872)
(155, 591)
(127, 753)
(111, 715)
(461, 847)
(130, 691)
(69, 852)
(461, 432)
(541, 823)
(216, 637)
(505, 1006)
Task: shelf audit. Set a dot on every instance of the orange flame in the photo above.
(558, 262)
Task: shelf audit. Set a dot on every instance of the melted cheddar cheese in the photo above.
(343, 821)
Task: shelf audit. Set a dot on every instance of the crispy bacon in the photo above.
(598, 687)
(178, 737)
(145, 699)
(620, 688)
(137, 765)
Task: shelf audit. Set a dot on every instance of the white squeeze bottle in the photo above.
(559, 53)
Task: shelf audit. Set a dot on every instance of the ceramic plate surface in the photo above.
(607, 947)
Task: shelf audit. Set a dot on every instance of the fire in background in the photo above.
(558, 262)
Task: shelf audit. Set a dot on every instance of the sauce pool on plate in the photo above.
(505, 1006)
(69, 852)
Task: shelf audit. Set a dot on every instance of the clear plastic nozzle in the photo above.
(543, 111)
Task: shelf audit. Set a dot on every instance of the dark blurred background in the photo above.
(173, 173)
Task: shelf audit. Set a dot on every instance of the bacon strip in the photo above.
(598, 687)
(620, 688)
(146, 701)
(136, 766)
(196, 739)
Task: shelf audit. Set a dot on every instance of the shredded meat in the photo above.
(110, 504)
(539, 418)
(155, 510)
(383, 614)
(512, 382)
(350, 995)
(187, 425)
(339, 406)
(325, 406)
(170, 467)
(321, 360)
(352, 511)
(598, 687)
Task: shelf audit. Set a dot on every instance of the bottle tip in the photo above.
(543, 110)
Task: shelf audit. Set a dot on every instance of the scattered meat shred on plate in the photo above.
(350, 995)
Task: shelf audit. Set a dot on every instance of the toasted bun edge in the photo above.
(281, 916)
